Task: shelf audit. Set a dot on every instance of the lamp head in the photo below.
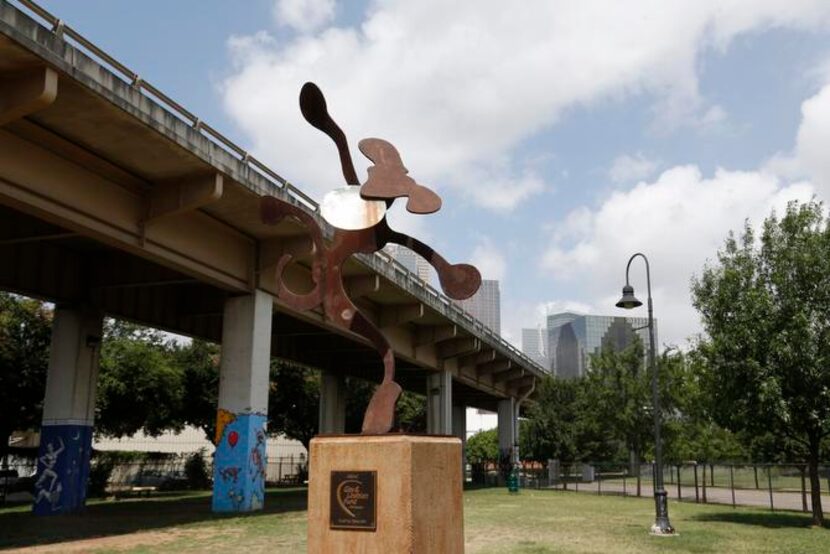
(628, 300)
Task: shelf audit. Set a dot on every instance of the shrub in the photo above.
(196, 471)
(99, 476)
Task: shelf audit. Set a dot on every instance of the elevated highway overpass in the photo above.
(116, 200)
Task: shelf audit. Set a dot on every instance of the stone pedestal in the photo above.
(385, 493)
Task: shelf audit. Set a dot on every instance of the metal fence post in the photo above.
(639, 480)
(712, 474)
(769, 481)
(704, 483)
(599, 483)
(732, 483)
(625, 475)
(697, 494)
(755, 469)
(679, 492)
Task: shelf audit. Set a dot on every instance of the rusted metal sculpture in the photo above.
(358, 216)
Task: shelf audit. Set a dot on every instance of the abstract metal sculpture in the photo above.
(358, 215)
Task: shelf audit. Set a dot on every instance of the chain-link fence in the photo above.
(111, 475)
(774, 486)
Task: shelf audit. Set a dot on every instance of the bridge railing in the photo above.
(412, 283)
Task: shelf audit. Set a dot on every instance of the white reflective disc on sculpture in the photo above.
(345, 209)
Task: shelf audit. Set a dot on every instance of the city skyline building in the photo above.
(535, 345)
(573, 338)
(410, 260)
(485, 305)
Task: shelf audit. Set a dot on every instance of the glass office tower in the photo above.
(573, 338)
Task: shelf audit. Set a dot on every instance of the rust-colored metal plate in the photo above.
(388, 180)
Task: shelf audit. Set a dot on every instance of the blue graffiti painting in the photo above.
(240, 463)
(258, 457)
(230, 473)
(62, 469)
(48, 486)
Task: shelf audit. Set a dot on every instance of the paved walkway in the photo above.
(781, 500)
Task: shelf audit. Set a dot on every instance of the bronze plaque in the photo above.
(353, 500)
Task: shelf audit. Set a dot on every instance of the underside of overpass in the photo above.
(45, 261)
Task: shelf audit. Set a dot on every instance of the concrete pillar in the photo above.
(332, 403)
(507, 426)
(459, 429)
(241, 460)
(68, 411)
(439, 403)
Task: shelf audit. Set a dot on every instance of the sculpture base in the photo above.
(385, 493)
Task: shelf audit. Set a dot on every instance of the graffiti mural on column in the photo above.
(240, 463)
(62, 468)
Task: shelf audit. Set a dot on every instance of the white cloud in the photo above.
(627, 168)
(489, 260)
(497, 190)
(551, 307)
(304, 15)
(456, 85)
(679, 221)
(809, 158)
(814, 139)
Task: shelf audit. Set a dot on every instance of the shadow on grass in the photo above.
(772, 519)
(102, 519)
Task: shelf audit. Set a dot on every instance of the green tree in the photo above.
(562, 423)
(619, 395)
(483, 447)
(689, 432)
(293, 401)
(140, 388)
(765, 307)
(25, 332)
(198, 363)
(411, 413)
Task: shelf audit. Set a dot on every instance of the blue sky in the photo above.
(562, 136)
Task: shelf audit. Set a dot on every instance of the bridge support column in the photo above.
(332, 403)
(241, 460)
(508, 441)
(68, 411)
(439, 403)
(459, 429)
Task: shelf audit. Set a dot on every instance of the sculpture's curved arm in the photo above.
(299, 301)
(458, 281)
(274, 211)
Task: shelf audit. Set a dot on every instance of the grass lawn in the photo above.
(495, 522)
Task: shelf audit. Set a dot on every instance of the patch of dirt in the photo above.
(122, 542)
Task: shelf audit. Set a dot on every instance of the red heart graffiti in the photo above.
(233, 438)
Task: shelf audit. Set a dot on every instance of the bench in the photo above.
(130, 491)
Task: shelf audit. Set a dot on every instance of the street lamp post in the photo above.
(661, 526)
